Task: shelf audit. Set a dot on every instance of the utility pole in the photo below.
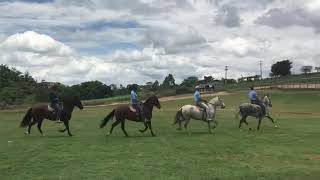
(226, 73)
(260, 63)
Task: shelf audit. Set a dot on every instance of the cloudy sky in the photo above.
(136, 41)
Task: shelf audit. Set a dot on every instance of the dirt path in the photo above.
(163, 99)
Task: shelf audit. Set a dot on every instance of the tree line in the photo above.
(21, 88)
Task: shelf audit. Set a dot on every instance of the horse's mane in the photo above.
(68, 99)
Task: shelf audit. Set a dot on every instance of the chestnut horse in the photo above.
(37, 114)
(121, 113)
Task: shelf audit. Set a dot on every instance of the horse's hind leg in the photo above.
(113, 125)
(243, 119)
(186, 123)
(259, 123)
(179, 128)
(39, 126)
(122, 127)
(30, 125)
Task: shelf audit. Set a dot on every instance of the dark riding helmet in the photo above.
(251, 88)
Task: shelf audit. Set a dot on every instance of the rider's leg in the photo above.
(207, 111)
(263, 107)
(56, 108)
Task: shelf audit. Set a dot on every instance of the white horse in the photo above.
(248, 109)
(188, 112)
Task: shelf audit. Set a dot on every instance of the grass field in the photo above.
(290, 152)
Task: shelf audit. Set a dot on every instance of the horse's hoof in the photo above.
(141, 131)
(27, 133)
(179, 129)
(70, 135)
(250, 129)
(276, 126)
(61, 131)
(153, 135)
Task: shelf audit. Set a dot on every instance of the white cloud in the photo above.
(122, 41)
(33, 42)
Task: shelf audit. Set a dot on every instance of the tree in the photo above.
(133, 86)
(113, 87)
(317, 69)
(92, 90)
(306, 69)
(281, 68)
(190, 81)
(15, 87)
(208, 79)
(155, 86)
(169, 81)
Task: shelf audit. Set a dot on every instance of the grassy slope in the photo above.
(229, 153)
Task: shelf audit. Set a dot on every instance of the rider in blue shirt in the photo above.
(255, 100)
(136, 104)
(201, 103)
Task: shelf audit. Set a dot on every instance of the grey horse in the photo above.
(248, 109)
(188, 112)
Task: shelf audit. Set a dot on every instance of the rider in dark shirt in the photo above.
(54, 100)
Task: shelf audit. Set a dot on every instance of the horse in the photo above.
(188, 112)
(253, 110)
(38, 113)
(127, 112)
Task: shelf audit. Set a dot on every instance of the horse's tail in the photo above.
(239, 112)
(177, 117)
(106, 119)
(27, 118)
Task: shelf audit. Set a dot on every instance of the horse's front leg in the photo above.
(271, 119)
(150, 127)
(145, 128)
(66, 123)
(215, 124)
(209, 127)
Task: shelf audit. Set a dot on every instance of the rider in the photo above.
(136, 104)
(255, 100)
(201, 103)
(54, 101)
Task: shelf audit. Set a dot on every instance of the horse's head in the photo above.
(77, 102)
(267, 100)
(217, 101)
(154, 101)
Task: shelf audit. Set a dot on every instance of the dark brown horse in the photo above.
(121, 113)
(38, 113)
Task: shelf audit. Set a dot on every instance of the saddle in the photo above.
(200, 108)
(204, 114)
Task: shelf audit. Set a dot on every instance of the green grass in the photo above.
(290, 152)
